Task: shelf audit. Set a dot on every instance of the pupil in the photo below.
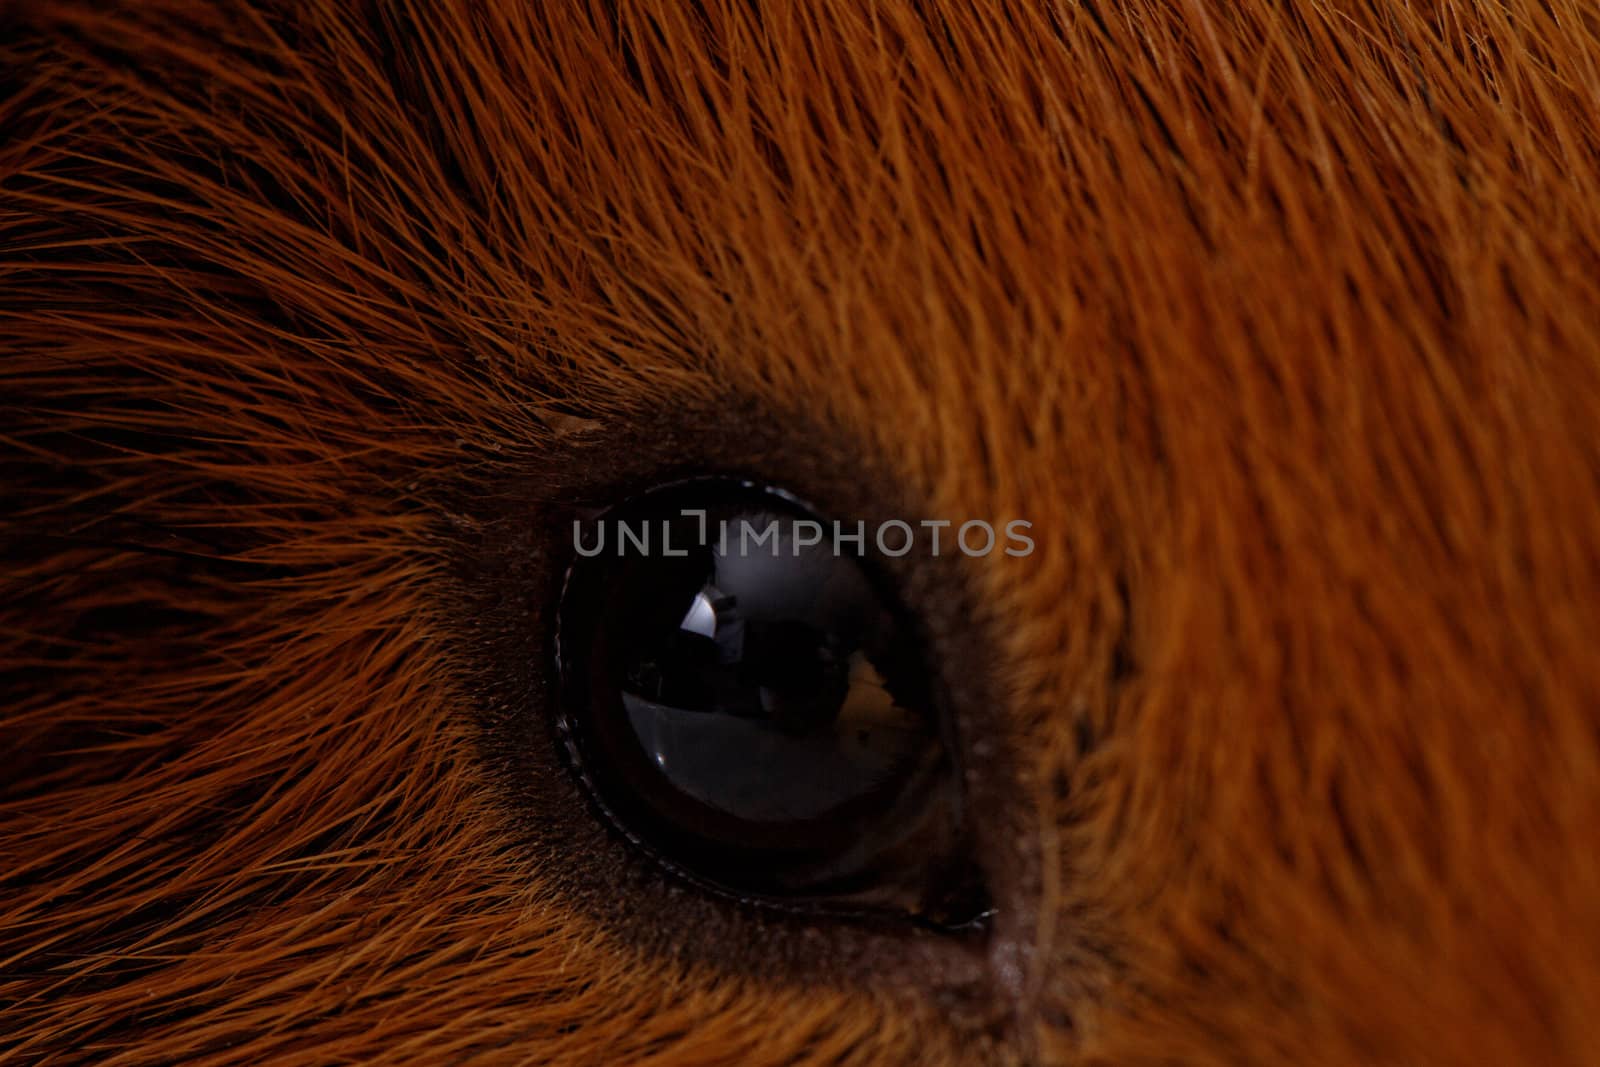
(766, 698)
(751, 705)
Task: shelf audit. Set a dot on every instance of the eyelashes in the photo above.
(760, 717)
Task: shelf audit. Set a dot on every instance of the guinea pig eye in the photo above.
(745, 700)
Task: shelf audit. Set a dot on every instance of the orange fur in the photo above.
(1281, 323)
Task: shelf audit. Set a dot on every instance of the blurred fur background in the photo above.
(1280, 321)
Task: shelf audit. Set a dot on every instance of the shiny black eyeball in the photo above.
(747, 702)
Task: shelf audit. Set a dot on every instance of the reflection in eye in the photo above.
(760, 717)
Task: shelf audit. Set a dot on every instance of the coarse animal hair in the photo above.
(1279, 321)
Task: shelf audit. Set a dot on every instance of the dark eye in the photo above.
(746, 700)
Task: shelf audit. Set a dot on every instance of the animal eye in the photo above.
(746, 700)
